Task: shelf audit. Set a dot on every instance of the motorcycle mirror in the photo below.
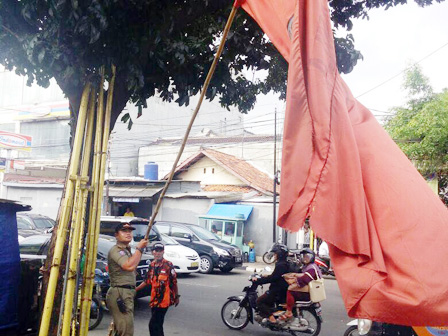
(267, 269)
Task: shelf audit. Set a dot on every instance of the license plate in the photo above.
(237, 259)
(195, 264)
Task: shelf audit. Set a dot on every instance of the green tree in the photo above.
(421, 127)
(159, 47)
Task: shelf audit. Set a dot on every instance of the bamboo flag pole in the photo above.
(102, 170)
(65, 216)
(195, 113)
(94, 208)
(79, 205)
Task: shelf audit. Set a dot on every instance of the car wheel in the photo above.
(226, 269)
(206, 264)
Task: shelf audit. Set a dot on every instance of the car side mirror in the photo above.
(188, 236)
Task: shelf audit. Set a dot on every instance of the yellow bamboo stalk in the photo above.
(101, 175)
(77, 220)
(94, 208)
(65, 216)
(193, 116)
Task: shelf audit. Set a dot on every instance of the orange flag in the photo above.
(387, 231)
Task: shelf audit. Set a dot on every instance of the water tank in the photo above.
(151, 171)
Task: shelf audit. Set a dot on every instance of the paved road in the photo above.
(202, 298)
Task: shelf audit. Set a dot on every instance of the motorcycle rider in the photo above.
(277, 289)
(309, 272)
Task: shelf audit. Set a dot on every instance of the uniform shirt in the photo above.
(162, 278)
(129, 214)
(117, 256)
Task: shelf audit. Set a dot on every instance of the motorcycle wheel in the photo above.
(268, 258)
(352, 331)
(314, 323)
(96, 313)
(234, 316)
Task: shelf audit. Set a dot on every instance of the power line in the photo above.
(401, 72)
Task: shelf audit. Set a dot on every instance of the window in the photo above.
(179, 232)
(23, 224)
(164, 229)
(44, 223)
(216, 228)
(213, 170)
(229, 229)
(205, 170)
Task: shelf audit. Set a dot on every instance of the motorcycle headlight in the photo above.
(172, 254)
(221, 251)
(364, 326)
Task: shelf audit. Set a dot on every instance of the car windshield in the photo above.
(140, 231)
(203, 233)
(43, 223)
(168, 241)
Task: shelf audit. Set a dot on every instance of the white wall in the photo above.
(208, 172)
(184, 210)
(43, 201)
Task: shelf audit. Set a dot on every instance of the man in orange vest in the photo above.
(163, 281)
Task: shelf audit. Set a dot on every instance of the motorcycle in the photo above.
(293, 256)
(98, 299)
(370, 328)
(238, 311)
(324, 266)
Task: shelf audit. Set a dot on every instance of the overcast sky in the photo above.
(390, 41)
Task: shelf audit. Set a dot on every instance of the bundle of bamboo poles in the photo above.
(85, 181)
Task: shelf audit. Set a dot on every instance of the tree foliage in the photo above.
(159, 47)
(421, 127)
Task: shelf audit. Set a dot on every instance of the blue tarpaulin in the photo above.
(9, 263)
(230, 211)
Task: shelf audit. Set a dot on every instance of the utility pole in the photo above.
(107, 207)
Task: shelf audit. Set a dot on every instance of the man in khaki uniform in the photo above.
(122, 265)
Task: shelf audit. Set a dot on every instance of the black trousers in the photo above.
(265, 303)
(156, 321)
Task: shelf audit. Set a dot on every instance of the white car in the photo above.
(184, 259)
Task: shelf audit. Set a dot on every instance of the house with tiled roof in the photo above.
(218, 171)
(229, 182)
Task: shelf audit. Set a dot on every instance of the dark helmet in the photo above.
(280, 250)
(308, 251)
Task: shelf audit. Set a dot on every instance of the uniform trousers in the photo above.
(156, 321)
(123, 322)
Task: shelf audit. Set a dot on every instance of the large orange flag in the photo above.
(387, 231)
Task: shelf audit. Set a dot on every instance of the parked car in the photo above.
(29, 224)
(39, 244)
(213, 252)
(184, 259)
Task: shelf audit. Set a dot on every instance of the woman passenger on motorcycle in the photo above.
(277, 289)
(309, 272)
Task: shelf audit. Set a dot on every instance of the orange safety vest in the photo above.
(162, 278)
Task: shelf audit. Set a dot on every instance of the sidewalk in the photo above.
(259, 266)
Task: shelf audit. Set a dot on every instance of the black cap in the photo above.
(124, 226)
(157, 245)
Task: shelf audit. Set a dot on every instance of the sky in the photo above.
(390, 41)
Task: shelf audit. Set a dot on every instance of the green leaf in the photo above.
(125, 118)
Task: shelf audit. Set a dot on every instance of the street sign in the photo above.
(15, 141)
(126, 199)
